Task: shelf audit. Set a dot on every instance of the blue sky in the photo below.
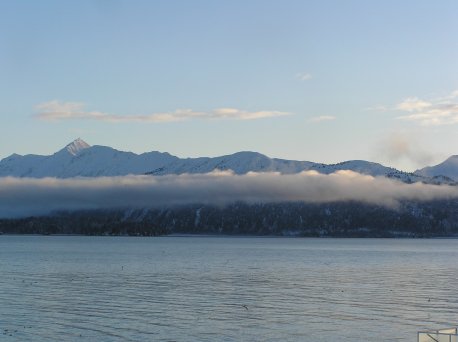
(322, 81)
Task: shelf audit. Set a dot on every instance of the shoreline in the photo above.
(178, 235)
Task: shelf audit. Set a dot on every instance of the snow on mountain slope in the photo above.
(20, 166)
(106, 161)
(448, 168)
(79, 159)
(243, 162)
(376, 169)
(240, 163)
(76, 146)
(360, 166)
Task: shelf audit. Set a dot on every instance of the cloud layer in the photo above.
(434, 112)
(56, 111)
(322, 118)
(28, 196)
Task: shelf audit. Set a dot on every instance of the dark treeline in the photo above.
(343, 219)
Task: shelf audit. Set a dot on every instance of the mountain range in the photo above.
(79, 159)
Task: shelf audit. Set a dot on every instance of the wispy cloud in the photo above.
(413, 104)
(56, 111)
(303, 76)
(322, 118)
(433, 112)
(401, 146)
(377, 108)
(27, 196)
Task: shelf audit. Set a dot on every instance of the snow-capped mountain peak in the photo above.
(76, 146)
(79, 159)
(448, 168)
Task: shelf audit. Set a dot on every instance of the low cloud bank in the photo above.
(29, 196)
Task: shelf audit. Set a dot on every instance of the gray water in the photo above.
(74, 288)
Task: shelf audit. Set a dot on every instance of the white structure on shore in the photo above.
(442, 335)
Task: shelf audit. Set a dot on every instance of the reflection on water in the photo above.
(224, 289)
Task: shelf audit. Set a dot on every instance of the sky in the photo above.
(323, 81)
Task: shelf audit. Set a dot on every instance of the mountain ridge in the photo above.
(448, 168)
(79, 159)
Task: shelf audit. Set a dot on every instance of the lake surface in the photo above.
(76, 288)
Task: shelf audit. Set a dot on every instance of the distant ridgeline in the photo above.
(79, 159)
(339, 219)
(343, 219)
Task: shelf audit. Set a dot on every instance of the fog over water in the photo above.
(31, 196)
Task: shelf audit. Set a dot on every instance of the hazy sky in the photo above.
(321, 81)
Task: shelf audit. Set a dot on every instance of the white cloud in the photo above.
(412, 104)
(56, 111)
(451, 96)
(29, 196)
(435, 112)
(322, 118)
(303, 76)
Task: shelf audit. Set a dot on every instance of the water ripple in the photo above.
(224, 289)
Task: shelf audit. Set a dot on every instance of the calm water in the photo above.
(196, 288)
